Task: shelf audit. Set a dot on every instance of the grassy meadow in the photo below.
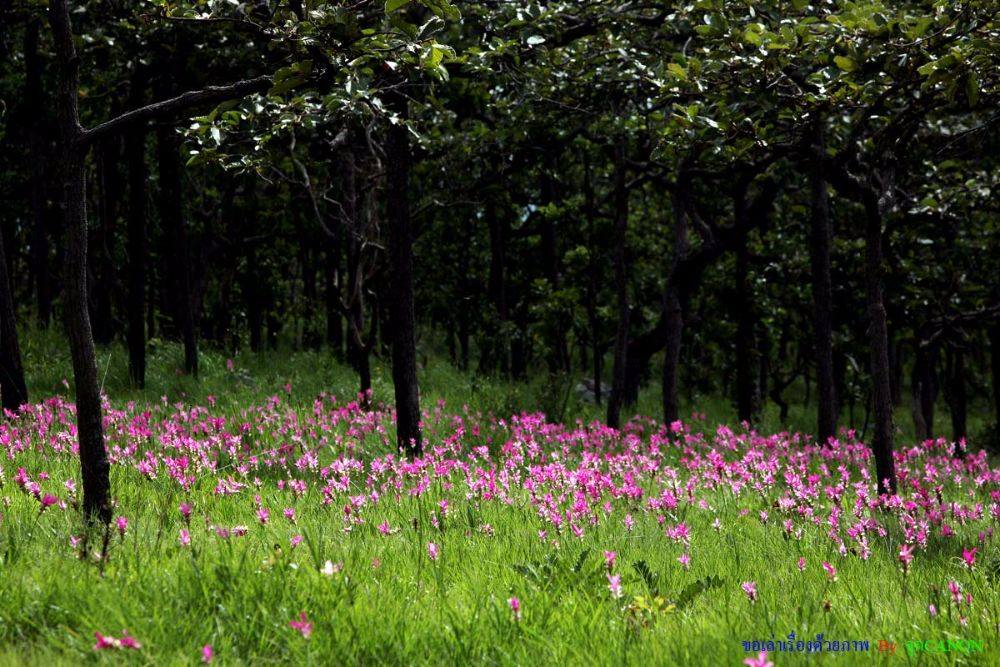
(263, 518)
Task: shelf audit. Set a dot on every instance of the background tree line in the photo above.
(758, 200)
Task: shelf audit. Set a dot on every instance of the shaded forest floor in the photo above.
(268, 520)
(562, 399)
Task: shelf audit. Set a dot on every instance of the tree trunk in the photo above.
(957, 397)
(138, 245)
(615, 400)
(924, 389)
(13, 392)
(497, 286)
(174, 227)
(89, 418)
(401, 308)
(331, 275)
(673, 308)
(878, 334)
(559, 360)
(746, 350)
(995, 373)
(593, 319)
(820, 238)
(73, 202)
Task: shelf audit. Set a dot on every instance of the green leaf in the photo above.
(845, 63)
(972, 88)
(395, 5)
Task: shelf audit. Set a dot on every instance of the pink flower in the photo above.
(685, 560)
(122, 524)
(184, 537)
(969, 556)
(679, 533)
(185, 509)
(609, 559)
(831, 571)
(760, 661)
(290, 514)
(302, 625)
(932, 610)
(107, 642)
(629, 523)
(615, 585)
(956, 591)
(263, 515)
(906, 556)
(515, 607)
(384, 528)
(296, 540)
(207, 653)
(802, 564)
(47, 501)
(750, 588)
(433, 550)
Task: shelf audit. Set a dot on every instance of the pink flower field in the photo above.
(294, 528)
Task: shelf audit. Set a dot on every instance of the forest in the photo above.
(426, 304)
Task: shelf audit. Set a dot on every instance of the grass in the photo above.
(388, 602)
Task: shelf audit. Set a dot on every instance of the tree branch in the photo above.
(164, 108)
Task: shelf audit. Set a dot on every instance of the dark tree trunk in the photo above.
(593, 281)
(559, 360)
(746, 349)
(820, 238)
(464, 291)
(39, 156)
(519, 347)
(401, 307)
(497, 287)
(616, 398)
(174, 227)
(957, 397)
(90, 428)
(272, 325)
(995, 373)
(673, 308)
(882, 437)
(924, 389)
(255, 308)
(138, 245)
(331, 286)
(73, 202)
(13, 392)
